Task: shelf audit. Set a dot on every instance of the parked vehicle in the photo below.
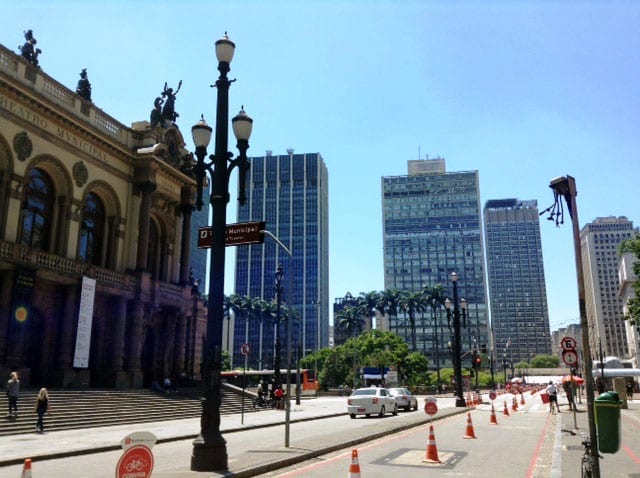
(373, 400)
(404, 398)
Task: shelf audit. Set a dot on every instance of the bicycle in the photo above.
(587, 458)
(260, 402)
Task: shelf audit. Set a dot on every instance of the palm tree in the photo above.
(411, 303)
(367, 304)
(350, 320)
(388, 304)
(435, 297)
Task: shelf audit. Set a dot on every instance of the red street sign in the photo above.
(570, 357)
(568, 343)
(431, 408)
(492, 395)
(136, 461)
(244, 349)
(236, 234)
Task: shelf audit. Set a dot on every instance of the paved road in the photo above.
(257, 446)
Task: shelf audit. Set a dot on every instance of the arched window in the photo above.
(92, 230)
(37, 211)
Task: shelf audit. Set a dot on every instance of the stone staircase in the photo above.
(73, 409)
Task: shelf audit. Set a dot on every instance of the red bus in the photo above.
(250, 379)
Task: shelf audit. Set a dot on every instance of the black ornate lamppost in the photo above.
(457, 349)
(276, 356)
(209, 448)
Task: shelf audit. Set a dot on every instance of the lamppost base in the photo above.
(209, 456)
(460, 402)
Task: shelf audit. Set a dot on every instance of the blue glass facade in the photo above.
(431, 228)
(290, 193)
(517, 288)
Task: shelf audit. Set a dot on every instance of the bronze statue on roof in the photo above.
(84, 86)
(28, 51)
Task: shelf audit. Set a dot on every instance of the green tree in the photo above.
(367, 302)
(412, 303)
(435, 297)
(388, 304)
(350, 320)
(545, 361)
(632, 246)
(414, 369)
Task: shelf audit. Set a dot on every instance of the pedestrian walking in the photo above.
(13, 390)
(260, 389)
(41, 408)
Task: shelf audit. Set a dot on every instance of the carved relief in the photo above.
(80, 173)
(22, 145)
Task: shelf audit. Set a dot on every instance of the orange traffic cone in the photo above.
(522, 402)
(514, 404)
(469, 433)
(26, 469)
(493, 420)
(354, 468)
(506, 409)
(432, 450)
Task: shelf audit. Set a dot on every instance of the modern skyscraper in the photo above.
(518, 295)
(431, 228)
(290, 193)
(600, 240)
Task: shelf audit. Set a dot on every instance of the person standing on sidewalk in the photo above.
(13, 391)
(41, 408)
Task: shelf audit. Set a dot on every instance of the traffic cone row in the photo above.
(26, 469)
(432, 449)
(354, 468)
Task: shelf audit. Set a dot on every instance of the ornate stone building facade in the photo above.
(84, 197)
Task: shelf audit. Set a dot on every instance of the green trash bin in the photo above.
(607, 414)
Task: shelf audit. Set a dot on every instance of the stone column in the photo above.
(118, 335)
(136, 338)
(5, 314)
(186, 208)
(179, 344)
(146, 189)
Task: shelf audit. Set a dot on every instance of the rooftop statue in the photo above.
(84, 87)
(168, 110)
(28, 51)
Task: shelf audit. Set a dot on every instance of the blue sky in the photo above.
(521, 91)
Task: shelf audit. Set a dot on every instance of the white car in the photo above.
(404, 398)
(373, 400)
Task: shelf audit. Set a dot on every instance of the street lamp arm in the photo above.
(278, 241)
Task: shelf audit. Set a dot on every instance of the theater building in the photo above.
(95, 229)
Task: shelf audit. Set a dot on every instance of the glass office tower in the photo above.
(290, 193)
(431, 228)
(519, 313)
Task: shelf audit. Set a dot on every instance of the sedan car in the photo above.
(404, 398)
(373, 400)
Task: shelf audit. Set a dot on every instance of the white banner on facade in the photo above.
(85, 317)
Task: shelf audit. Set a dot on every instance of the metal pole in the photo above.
(457, 349)
(209, 448)
(566, 187)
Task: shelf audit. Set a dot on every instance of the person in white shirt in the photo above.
(552, 391)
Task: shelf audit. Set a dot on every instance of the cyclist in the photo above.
(552, 391)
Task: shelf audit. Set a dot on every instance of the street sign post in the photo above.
(568, 343)
(570, 357)
(492, 395)
(245, 349)
(238, 234)
(135, 461)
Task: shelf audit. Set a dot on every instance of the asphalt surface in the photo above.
(268, 457)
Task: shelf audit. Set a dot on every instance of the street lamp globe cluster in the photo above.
(459, 311)
(209, 448)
